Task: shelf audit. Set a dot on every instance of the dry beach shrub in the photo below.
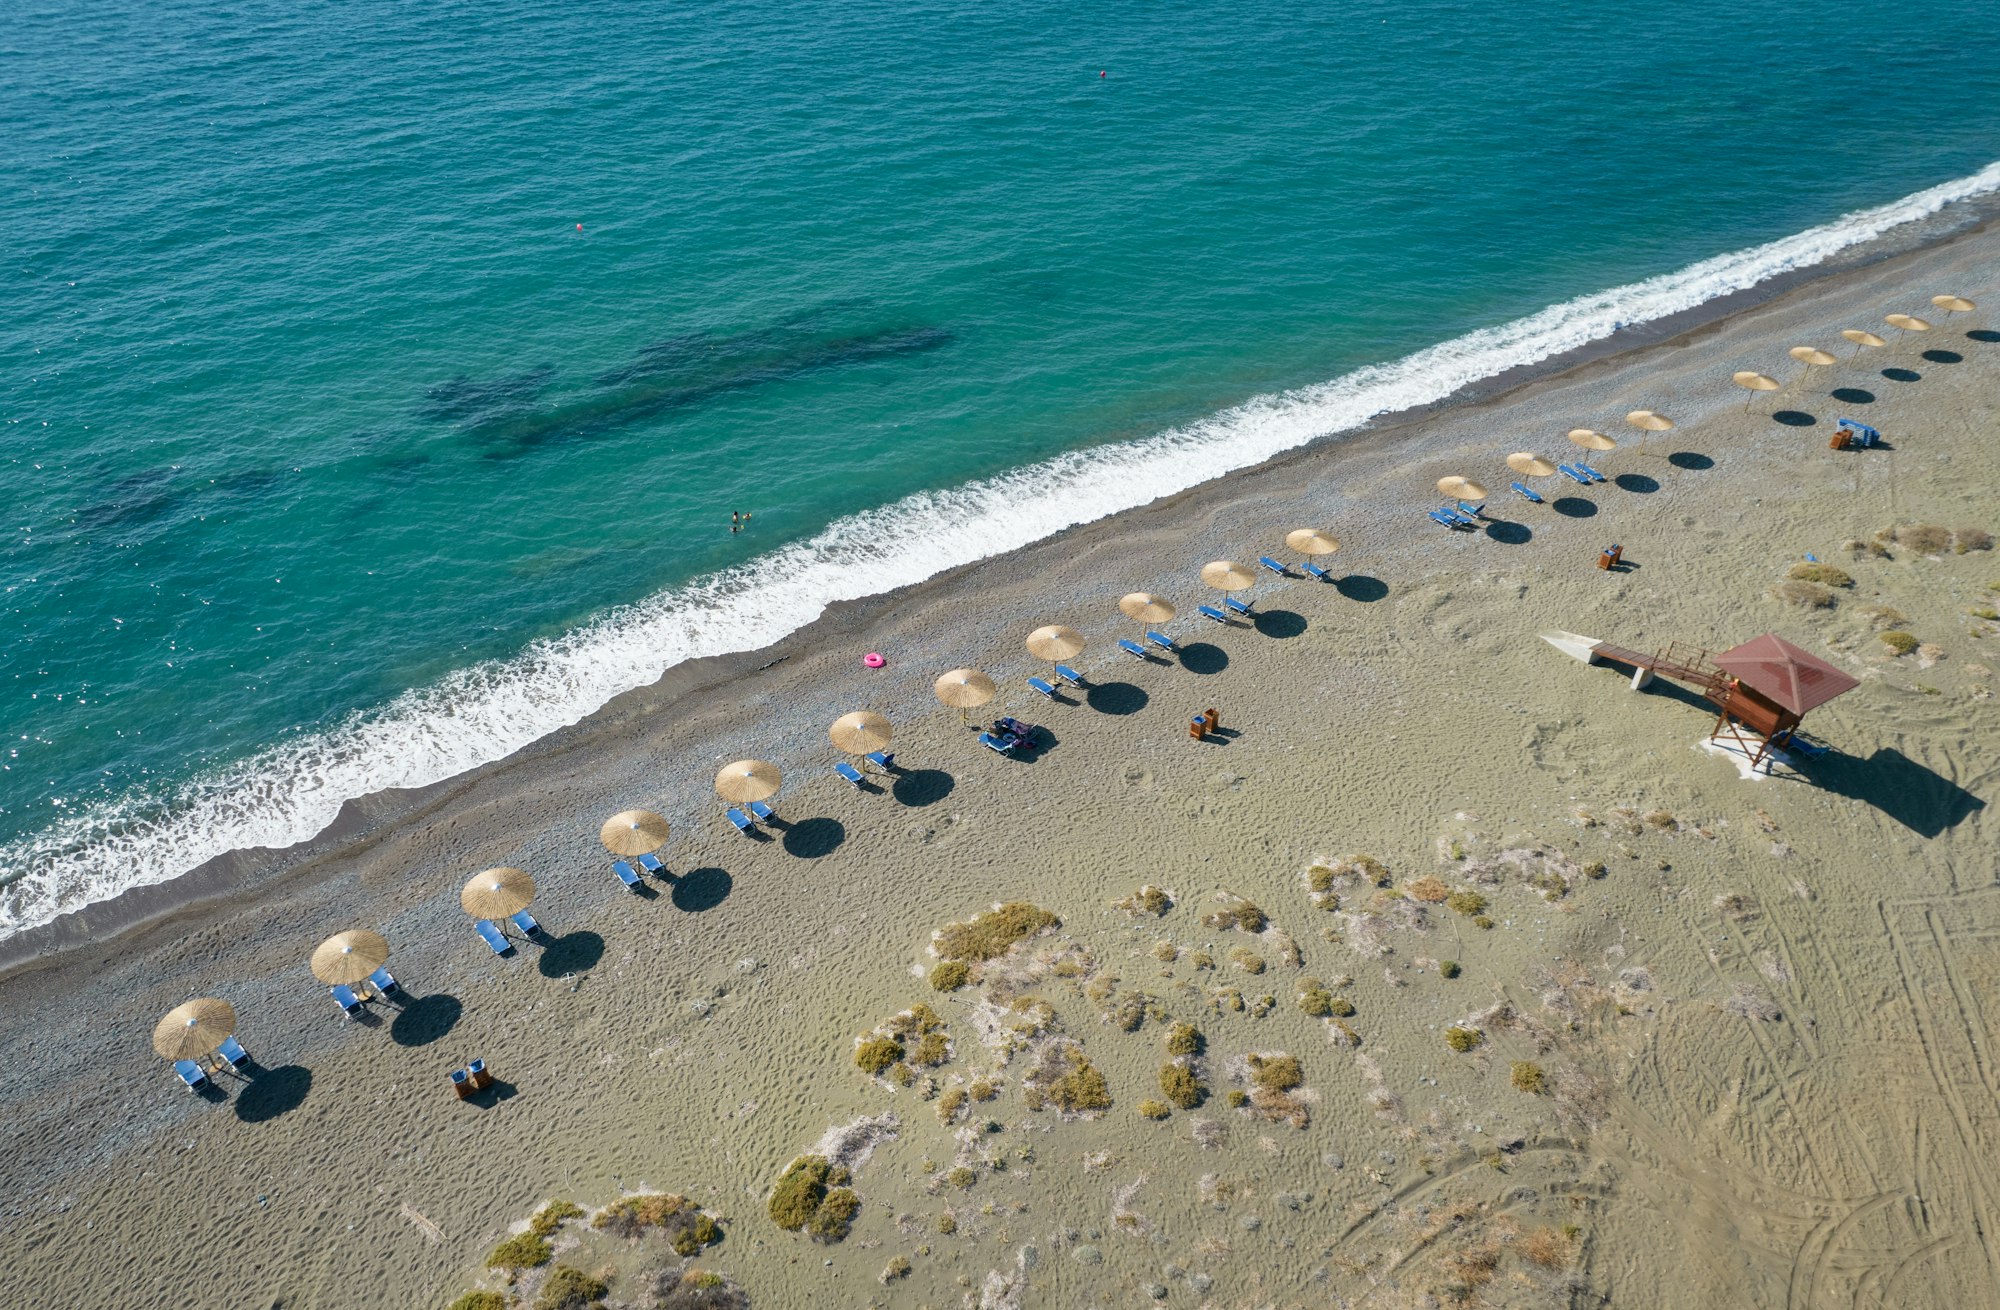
(991, 935)
(1429, 889)
(1181, 1086)
(1148, 899)
(569, 1288)
(1898, 641)
(1824, 574)
(1236, 912)
(1805, 595)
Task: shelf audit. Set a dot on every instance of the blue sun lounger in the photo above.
(1210, 612)
(1132, 648)
(740, 819)
(1069, 675)
(999, 745)
(1043, 686)
(1162, 640)
(1274, 566)
(190, 1073)
(490, 931)
(650, 863)
(1317, 571)
(1531, 495)
(349, 1003)
(1236, 606)
(1572, 474)
(1589, 472)
(526, 923)
(882, 759)
(761, 811)
(1470, 511)
(848, 771)
(232, 1053)
(384, 983)
(1459, 517)
(1449, 520)
(1860, 433)
(626, 874)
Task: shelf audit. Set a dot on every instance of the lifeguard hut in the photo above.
(1761, 690)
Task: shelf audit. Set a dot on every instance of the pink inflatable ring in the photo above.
(873, 659)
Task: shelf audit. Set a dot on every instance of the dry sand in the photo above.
(1763, 1029)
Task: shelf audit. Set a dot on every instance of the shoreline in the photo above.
(242, 876)
(1716, 978)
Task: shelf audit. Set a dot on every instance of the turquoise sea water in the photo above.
(376, 381)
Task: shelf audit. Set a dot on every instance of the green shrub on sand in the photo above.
(1277, 1073)
(1467, 902)
(570, 1289)
(1235, 912)
(1152, 1109)
(1463, 1039)
(691, 1239)
(877, 1053)
(1184, 1039)
(1147, 900)
(552, 1216)
(1902, 643)
(950, 975)
(1528, 1076)
(480, 1301)
(835, 1217)
(1180, 1086)
(1081, 1090)
(799, 1191)
(521, 1251)
(1315, 1001)
(991, 935)
(812, 1195)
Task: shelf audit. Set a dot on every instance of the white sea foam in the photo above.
(289, 793)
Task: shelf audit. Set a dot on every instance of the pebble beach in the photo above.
(1723, 1032)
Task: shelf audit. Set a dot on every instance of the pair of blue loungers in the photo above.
(1138, 652)
(630, 876)
(490, 931)
(381, 980)
(1283, 572)
(194, 1077)
(1460, 515)
(883, 760)
(1230, 603)
(758, 812)
(1070, 677)
(1578, 471)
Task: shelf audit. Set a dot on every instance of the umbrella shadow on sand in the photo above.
(1693, 461)
(1279, 623)
(570, 953)
(274, 1092)
(1203, 658)
(1362, 587)
(702, 889)
(812, 839)
(920, 787)
(425, 1019)
(1794, 418)
(1117, 697)
(1509, 533)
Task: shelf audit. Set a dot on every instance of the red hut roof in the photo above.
(1780, 671)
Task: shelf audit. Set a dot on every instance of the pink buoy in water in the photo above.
(873, 659)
